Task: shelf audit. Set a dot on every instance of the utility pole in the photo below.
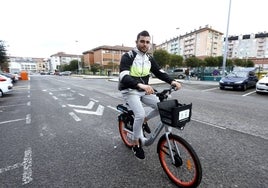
(226, 41)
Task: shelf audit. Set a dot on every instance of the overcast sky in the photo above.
(40, 28)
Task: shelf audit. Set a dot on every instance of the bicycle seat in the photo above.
(124, 108)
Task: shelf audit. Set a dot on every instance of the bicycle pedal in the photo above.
(146, 128)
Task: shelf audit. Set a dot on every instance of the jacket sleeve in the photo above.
(124, 78)
(159, 73)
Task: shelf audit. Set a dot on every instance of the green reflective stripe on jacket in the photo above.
(138, 71)
(141, 66)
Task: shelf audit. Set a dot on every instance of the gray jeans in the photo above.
(135, 100)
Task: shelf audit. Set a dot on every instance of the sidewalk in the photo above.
(152, 80)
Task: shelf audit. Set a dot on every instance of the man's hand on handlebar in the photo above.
(176, 84)
(147, 88)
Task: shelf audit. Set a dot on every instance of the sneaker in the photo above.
(138, 152)
(146, 128)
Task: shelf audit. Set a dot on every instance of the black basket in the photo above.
(174, 114)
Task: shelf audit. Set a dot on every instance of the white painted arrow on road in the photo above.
(98, 112)
(89, 106)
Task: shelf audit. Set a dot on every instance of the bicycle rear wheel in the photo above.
(125, 134)
(187, 170)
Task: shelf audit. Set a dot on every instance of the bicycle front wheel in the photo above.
(186, 169)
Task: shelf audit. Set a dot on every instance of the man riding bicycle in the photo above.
(135, 68)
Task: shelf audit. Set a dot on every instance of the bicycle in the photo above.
(177, 157)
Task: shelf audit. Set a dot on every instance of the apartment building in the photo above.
(252, 47)
(62, 58)
(201, 43)
(248, 46)
(29, 64)
(103, 55)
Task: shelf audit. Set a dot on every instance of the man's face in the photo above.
(143, 44)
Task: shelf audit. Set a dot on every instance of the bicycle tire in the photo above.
(124, 134)
(187, 170)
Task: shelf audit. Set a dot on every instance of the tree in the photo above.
(95, 68)
(249, 63)
(3, 56)
(175, 60)
(162, 57)
(211, 61)
(193, 62)
(238, 62)
(73, 66)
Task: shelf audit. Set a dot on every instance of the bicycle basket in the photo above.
(174, 114)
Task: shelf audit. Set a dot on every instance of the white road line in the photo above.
(28, 119)
(98, 112)
(88, 106)
(94, 100)
(207, 123)
(10, 121)
(113, 108)
(76, 118)
(27, 167)
(210, 89)
(14, 105)
(248, 93)
(17, 165)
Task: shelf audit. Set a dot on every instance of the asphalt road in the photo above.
(62, 132)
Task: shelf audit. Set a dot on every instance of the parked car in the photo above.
(262, 85)
(9, 75)
(66, 73)
(241, 79)
(178, 73)
(5, 85)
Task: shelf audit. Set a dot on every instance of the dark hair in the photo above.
(144, 34)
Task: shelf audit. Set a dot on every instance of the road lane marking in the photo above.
(88, 106)
(94, 100)
(27, 167)
(26, 164)
(14, 105)
(10, 121)
(98, 112)
(76, 118)
(12, 167)
(249, 93)
(113, 108)
(210, 89)
(28, 119)
(207, 123)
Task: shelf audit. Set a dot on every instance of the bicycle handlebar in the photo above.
(164, 94)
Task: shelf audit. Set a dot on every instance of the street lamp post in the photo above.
(78, 63)
(178, 41)
(226, 41)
